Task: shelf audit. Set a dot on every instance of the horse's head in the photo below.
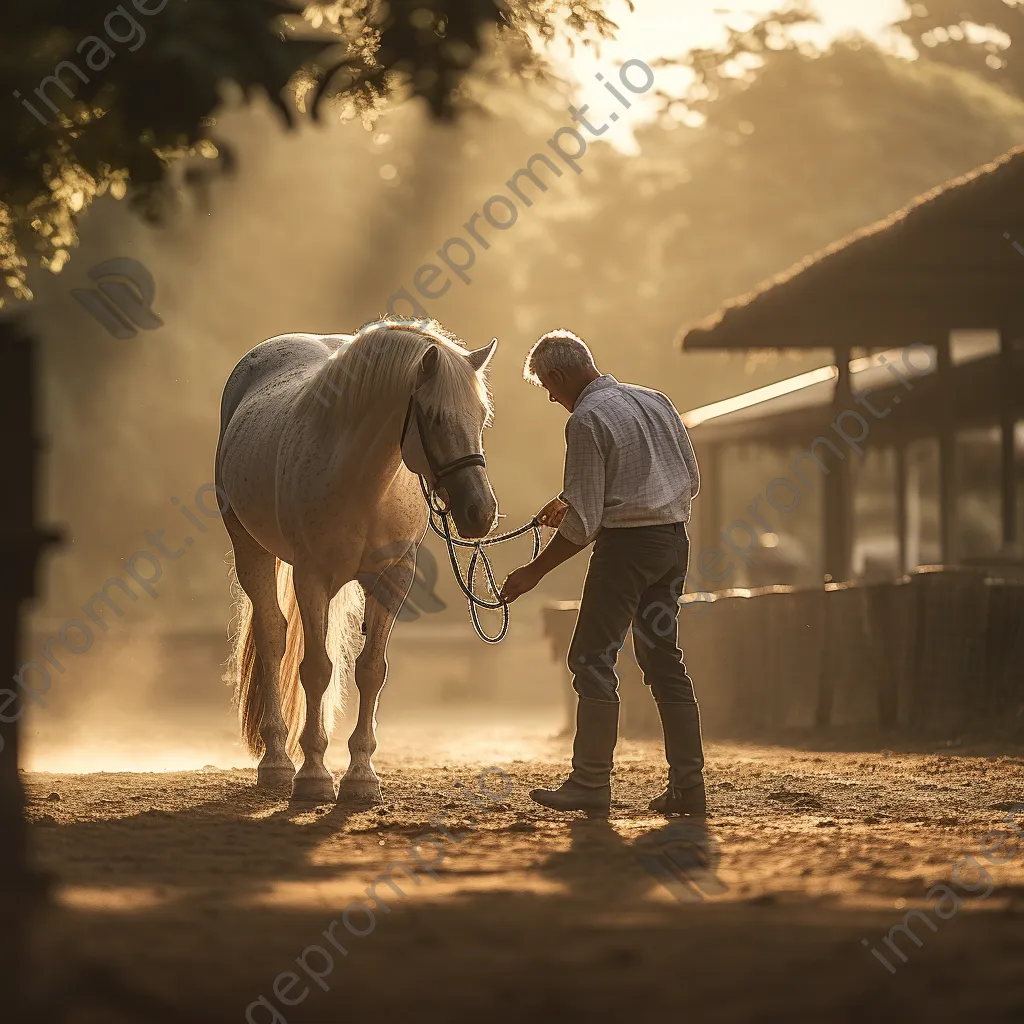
(443, 435)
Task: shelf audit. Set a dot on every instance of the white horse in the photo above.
(321, 441)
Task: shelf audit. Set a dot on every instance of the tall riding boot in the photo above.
(685, 753)
(588, 787)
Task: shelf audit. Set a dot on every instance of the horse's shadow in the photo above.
(249, 838)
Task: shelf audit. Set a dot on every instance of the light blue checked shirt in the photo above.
(628, 461)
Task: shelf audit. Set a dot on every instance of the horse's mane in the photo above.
(381, 361)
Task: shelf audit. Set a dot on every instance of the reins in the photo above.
(479, 556)
(442, 512)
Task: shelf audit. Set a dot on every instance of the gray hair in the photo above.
(561, 350)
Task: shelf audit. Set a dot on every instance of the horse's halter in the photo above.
(438, 472)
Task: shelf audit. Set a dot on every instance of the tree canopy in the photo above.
(971, 35)
(975, 35)
(103, 98)
(106, 99)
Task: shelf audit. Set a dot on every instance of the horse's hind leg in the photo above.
(360, 783)
(313, 782)
(256, 570)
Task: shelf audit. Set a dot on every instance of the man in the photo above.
(630, 474)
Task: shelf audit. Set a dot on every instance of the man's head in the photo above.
(561, 363)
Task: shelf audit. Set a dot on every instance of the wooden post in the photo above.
(20, 546)
(902, 508)
(1009, 482)
(914, 520)
(709, 503)
(838, 496)
(838, 526)
(1008, 429)
(948, 483)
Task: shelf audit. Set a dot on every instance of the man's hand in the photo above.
(553, 513)
(520, 581)
(526, 577)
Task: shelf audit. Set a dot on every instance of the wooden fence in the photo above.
(938, 652)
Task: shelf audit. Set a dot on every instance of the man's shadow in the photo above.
(681, 855)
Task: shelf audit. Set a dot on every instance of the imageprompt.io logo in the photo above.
(397, 560)
(422, 598)
(122, 300)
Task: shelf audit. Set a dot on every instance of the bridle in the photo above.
(438, 472)
(439, 511)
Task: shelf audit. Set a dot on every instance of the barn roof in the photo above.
(952, 258)
(794, 411)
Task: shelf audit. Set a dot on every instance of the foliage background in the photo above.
(774, 150)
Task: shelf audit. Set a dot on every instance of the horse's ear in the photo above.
(480, 357)
(428, 365)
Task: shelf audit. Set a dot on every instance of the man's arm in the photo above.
(522, 580)
(584, 496)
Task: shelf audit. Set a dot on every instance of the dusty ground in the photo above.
(202, 890)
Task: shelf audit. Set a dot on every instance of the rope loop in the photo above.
(440, 515)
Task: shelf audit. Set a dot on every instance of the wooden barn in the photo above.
(920, 311)
(947, 263)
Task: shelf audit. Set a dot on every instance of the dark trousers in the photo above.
(635, 578)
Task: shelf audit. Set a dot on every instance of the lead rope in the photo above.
(479, 557)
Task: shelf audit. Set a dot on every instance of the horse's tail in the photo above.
(242, 671)
(344, 641)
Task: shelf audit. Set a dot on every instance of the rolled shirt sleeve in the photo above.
(584, 484)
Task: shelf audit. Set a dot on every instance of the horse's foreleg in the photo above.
(313, 782)
(383, 601)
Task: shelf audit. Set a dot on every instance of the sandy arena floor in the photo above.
(204, 891)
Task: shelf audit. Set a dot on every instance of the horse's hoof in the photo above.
(275, 778)
(359, 792)
(312, 789)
